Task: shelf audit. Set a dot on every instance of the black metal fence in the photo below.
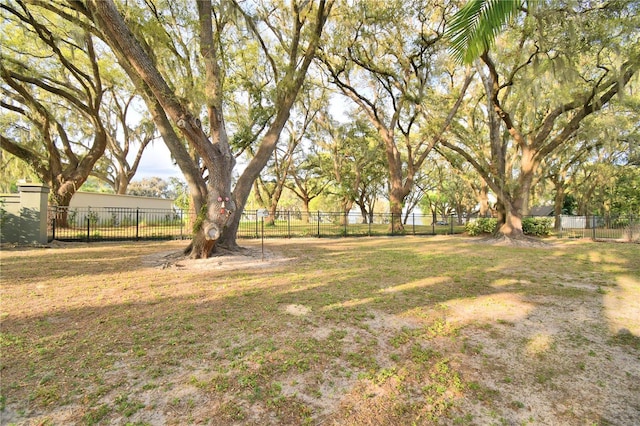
(117, 224)
(120, 224)
(289, 224)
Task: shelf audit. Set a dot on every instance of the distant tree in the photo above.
(308, 178)
(386, 57)
(126, 142)
(270, 186)
(353, 157)
(179, 192)
(152, 187)
(93, 184)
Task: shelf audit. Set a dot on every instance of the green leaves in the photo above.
(475, 27)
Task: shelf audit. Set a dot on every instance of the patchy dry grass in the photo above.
(380, 331)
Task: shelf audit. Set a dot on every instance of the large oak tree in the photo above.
(291, 32)
(552, 70)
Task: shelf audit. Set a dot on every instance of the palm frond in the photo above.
(475, 26)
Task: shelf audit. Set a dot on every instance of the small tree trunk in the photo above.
(557, 206)
(305, 211)
(363, 214)
(483, 199)
(396, 199)
(345, 208)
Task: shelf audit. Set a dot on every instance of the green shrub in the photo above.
(482, 225)
(71, 217)
(537, 226)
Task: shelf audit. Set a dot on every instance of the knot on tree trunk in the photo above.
(211, 231)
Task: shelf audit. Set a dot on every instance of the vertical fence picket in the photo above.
(346, 223)
(413, 222)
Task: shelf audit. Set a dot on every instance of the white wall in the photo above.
(93, 199)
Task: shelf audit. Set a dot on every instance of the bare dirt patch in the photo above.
(524, 241)
(242, 259)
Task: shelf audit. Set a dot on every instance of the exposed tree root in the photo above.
(519, 241)
(240, 258)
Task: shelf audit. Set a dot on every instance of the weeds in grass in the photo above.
(126, 407)
(94, 416)
(379, 341)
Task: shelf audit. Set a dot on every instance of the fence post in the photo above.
(345, 223)
(89, 225)
(289, 223)
(53, 226)
(257, 232)
(318, 223)
(413, 220)
(137, 222)
(392, 222)
(181, 223)
(30, 223)
(593, 227)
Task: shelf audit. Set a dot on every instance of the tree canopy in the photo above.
(483, 108)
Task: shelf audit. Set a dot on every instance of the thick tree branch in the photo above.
(615, 86)
(28, 156)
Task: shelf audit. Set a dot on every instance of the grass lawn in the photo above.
(379, 331)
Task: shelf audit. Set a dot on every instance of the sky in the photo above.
(156, 162)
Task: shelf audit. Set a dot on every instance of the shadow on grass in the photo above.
(397, 330)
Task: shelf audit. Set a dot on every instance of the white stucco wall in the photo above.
(93, 199)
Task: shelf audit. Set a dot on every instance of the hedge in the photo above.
(536, 226)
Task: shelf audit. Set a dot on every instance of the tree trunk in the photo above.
(305, 211)
(345, 207)
(483, 196)
(395, 199)
(363, 214)
(62, 201)
(558, 202)
(512, 226)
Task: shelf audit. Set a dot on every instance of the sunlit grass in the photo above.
(349, 330)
